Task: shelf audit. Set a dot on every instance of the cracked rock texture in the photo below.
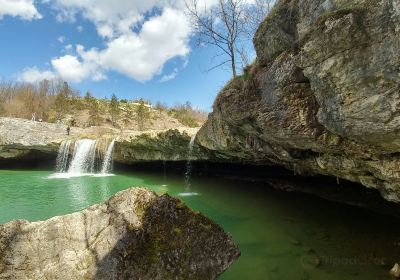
(323, 96)
(135, 235)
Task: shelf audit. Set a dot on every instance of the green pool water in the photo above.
(281, 235)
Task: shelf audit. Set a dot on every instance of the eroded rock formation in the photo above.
(135, 235)
(323, 96)
(24, 140)
(171, 145)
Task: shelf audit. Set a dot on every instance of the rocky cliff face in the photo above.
(323, 96)
(22, 140)
(135, 235)
(171, 145)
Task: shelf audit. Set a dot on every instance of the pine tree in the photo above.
(114, 109)
(142, 114)
(94, 111)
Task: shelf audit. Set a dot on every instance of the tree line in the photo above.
(54, 100)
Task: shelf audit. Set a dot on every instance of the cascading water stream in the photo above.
(63, 156)
(188, 172)
(84, 157)
(107, 163)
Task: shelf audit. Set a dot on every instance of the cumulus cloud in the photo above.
(106, 14)
(71, 69)
(33, 75)
(24, 9)
(139, 37)
(139, 56)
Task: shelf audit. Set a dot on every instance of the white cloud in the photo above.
(170, 76)
(71, 69)
(33, 75)
(61, 39)
(79, 28)
(106, 13)
(24, 9)
(139, 56)
(68, 48)
(135, 45)
(143, 55)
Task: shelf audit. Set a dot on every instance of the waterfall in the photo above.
(188, 172)
(63, 155)
(87, 159)
(107, 163)
(84, 157)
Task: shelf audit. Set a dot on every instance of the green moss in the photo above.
(235, 83)
(131, 227)
(339, 13)
(180, 205)
(356, 10)
(206, 227)
(177, 231)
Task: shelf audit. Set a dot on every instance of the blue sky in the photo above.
(132, 51)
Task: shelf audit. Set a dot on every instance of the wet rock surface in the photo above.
(135, 235)
(322, 96)
(169, 145)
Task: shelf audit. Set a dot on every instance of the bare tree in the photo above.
(220, 25)
(255, 14)
(229, 25)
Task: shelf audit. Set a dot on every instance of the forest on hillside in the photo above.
(55, 100)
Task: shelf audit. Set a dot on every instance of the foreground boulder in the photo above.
(323, 96)
(135, 235)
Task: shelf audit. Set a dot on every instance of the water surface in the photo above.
(281, 235)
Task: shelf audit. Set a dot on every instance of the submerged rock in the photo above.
(323, 96)
(135, 235)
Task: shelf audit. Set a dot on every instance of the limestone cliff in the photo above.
(171, 145)
(135, 235)
(323, 96)
(23, 140)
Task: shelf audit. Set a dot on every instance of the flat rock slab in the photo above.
(134, 235)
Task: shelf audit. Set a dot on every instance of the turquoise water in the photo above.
(281, 235)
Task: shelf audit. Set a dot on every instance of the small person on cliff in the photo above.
(68, 130)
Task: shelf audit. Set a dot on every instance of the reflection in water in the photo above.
(76, 175)
(77, 194)
(104, 189)
(188, 194)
